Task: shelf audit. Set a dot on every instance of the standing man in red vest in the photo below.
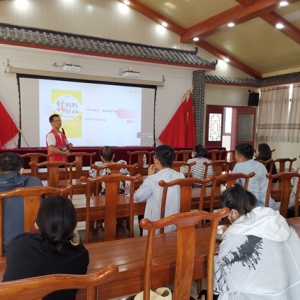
(56, 140)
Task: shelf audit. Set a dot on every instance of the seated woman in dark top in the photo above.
(50, 251)
(263, 152)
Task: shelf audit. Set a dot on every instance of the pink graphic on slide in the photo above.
(127, 114)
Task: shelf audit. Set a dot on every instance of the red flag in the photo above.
(8, 128)
(190, 123)
(174, 132)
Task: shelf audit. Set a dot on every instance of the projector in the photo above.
(130, 74)
(71, 68)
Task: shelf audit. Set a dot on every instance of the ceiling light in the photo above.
(283, 3)
(165, 24)
(230, 24)
(226, 59)
(196, 39)
(279, 25)
(127, 2)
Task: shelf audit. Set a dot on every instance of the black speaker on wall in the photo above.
(253, 99)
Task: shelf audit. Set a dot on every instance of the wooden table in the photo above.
(128, 255)
(98, 205)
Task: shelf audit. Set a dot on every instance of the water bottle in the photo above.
(127, 187)
(145, 161)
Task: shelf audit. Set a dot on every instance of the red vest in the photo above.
(59, 142)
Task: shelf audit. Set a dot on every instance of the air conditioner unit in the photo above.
(71, 68)
(130, 74)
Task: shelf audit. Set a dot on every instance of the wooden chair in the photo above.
(185, 257)
(184, 154)
(185, 193)
(282, 162)
(215, 154)
(36, 158)
(231, 178)
(32, 200)
(78, 157)
(54, 169)
(178, 164)
(269, 162)
(78, 186)
(229, 155)
(140, 156)
(115, 168)
(219, 167)
(38, 287)
(112, 183)
(285, 180)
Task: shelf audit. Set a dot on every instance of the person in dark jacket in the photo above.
(11, 169)
(52, 250)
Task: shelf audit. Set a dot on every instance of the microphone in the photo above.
(63, 131)
(64, 148)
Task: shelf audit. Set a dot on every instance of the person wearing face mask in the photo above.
(199, 156)
(258, 258)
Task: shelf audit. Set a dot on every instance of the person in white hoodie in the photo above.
(259, 257)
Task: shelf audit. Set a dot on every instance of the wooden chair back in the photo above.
(269, 162)
(32, 201)
(285, 180)
(140, 155)
(282, 164)
(185, 224)
(112, 184)
(183, 154)
(216, 154)
(230, 155)
(219, 167)
(35, 158)
(38, 287)
(78, 157)
(178, 164)
(54, 168)
(115, 168)
(231, 178)
(185, 185)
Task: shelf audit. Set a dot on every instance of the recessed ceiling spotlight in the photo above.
(127, 2)
(231, 24)
(196, 39)
(279, 25)
(165, 24)
(283, 3)
(226, 59)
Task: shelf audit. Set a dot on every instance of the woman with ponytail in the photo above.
(51, 250)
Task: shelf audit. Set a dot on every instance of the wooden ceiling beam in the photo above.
(237, 14)
(232, 61)
(155, 16)
(289, 29)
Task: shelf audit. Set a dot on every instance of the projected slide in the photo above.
(92, 114)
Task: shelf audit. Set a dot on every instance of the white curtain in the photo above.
(294, 122)
(273, 115)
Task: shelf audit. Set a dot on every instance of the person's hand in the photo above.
(151, 170)
(70, 145)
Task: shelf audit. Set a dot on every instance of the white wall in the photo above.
(107, 19)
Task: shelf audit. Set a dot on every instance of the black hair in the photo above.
(10, 162)
(200, 151)
(238, 198)
(56, 220)
(107, 153)
(264, 152)
(165, 154)
(245, 150)
(52, 117)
